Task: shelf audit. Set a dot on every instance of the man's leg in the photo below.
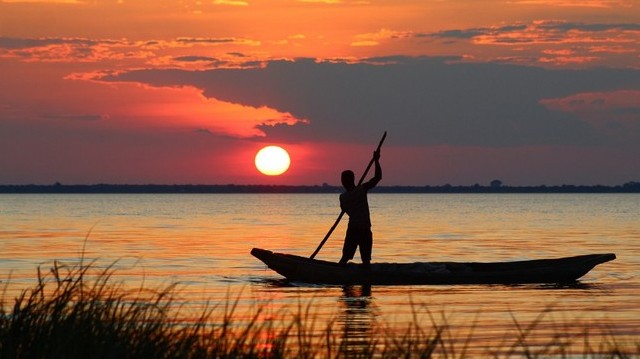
(366, 245)
(349, 247)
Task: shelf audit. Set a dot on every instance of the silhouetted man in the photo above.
(354, 202)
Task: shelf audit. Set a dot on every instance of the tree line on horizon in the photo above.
(496, 186)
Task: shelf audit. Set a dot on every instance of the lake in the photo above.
(202, 242)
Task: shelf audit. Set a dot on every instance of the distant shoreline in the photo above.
(630, 187)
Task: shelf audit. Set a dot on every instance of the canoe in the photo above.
(558, 270)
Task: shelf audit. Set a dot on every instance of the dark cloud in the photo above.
(216, 62)
(570, 26)
(473, 32)
(422, 101)
(546, 31)
(199, 40)
(203, 131)
(77, 117)
(12, 43)
(194, 58)
(236, 54)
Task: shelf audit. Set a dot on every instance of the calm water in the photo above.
(203, 242)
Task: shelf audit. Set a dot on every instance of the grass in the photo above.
(80, 311)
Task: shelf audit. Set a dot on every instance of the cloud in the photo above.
(214, 41)
(77, 117)
(621, 106)
(70, 49)
(197, 62)
(204, 131)
(544, 31)
(231, 2)
(322, 1)
(535, 42)
(45, 1)
(472, 32)
(131, 53)
(204, 40)
(13, 43)
(574, 3)
(423, 101)
(23, 43)
(622, 101)
(195, 58)
(614, 113)
(335, 2)
(373, 39)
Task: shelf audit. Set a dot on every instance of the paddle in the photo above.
(342, 212)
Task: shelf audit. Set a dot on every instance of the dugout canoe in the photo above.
(557, 270)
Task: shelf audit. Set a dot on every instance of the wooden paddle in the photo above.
(342, 212)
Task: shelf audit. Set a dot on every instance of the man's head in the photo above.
(348, 179)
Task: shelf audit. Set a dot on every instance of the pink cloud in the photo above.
(127, 105)
(79, 131)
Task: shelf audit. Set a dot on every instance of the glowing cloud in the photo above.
(547, 42)
(373, 39)
(322, 1)
(231, 2)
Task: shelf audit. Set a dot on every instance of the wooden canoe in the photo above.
(558, 270)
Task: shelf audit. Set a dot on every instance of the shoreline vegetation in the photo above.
(495, 186)
(79, 311)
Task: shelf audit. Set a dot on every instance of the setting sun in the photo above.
(272, 160)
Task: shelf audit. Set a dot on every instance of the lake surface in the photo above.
(202, 241)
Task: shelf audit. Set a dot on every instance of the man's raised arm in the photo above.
(378, 171)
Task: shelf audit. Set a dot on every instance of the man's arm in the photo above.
(378, 172)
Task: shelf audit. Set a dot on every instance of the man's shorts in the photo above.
(358, 237)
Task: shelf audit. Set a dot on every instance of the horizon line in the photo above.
(495, 186)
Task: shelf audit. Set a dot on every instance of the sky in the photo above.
(530, 92)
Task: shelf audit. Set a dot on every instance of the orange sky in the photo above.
(188, 91)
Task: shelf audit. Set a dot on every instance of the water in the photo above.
(203, 243)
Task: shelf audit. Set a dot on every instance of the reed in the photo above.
(80, 311)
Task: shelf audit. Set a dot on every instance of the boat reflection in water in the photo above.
(357, 319)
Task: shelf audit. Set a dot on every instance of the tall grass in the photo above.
(80, 311)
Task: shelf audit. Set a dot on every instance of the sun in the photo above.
(272, 160)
